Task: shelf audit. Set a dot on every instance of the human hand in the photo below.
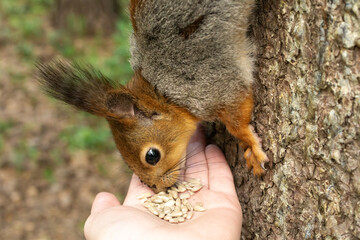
(222, 218)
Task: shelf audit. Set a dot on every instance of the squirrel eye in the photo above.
(152, 156)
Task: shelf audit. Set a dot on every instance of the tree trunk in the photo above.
(308, 115)
(89, 16)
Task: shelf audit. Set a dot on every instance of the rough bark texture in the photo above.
(308, 115)
(98, 16)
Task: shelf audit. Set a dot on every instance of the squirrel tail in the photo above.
(80, 86)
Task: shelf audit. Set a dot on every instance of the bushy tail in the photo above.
(80, 86)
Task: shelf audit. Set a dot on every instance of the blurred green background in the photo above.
(54, 159)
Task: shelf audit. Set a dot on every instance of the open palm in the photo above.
(221, 220)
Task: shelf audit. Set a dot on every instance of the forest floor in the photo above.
(53, 159)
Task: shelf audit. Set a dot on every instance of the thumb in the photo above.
(103, 201)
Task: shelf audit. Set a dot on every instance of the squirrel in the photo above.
(192, 62)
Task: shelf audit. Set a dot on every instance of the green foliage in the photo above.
(23, 152)
(25, 50)
(2, 143)
(26, 26)
(63, 42)
(118, 66)
(21, 7)
(23, 23)
(5, 126)
(31, 29)
(48, 174)
(120, 196)
(25, 17)
(123, 5)
(10, 7)
(75, 25)
(17, 78)
(102, 169)
(5, 34)
(84, 137)
(56, 156)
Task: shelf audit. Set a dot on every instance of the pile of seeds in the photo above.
(173, 205)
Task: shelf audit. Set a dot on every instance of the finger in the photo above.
(135, 189)
(196, 166)
(103, 201)
(220, 176)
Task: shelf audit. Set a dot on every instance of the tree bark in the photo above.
(97, 16)
(308, 115)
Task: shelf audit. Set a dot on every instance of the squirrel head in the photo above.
(150, 132)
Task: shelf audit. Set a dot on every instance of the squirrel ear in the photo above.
(121, 104)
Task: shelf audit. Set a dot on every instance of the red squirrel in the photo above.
(192, 62)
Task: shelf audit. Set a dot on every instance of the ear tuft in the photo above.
(121, 104)
(77, 85)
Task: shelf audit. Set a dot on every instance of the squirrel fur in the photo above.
(192, 62)
(191, 49)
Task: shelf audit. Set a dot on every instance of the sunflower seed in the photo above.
(181, 187)
(177, 214)
(198, 207)
(177, 208)
(189, 207)
(173, 220)
(153, 210)
(158, 200)
(161, 215)
(173, 205)
(194, 181)
(184, 209)
(144, 195)
(196, 187)
(178, 202)
(169, 203)
(148, 204)
(165, 198)
(167, 210)
(189, 215)
(174, 194)
(185, 195)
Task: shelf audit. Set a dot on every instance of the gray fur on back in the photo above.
(211, 68)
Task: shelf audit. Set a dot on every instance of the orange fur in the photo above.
(171, 129)
(134, 4)
(237, 120)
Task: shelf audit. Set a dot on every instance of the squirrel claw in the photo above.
(256, 160)
(263, 166)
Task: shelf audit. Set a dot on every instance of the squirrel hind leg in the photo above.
(237, 121)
